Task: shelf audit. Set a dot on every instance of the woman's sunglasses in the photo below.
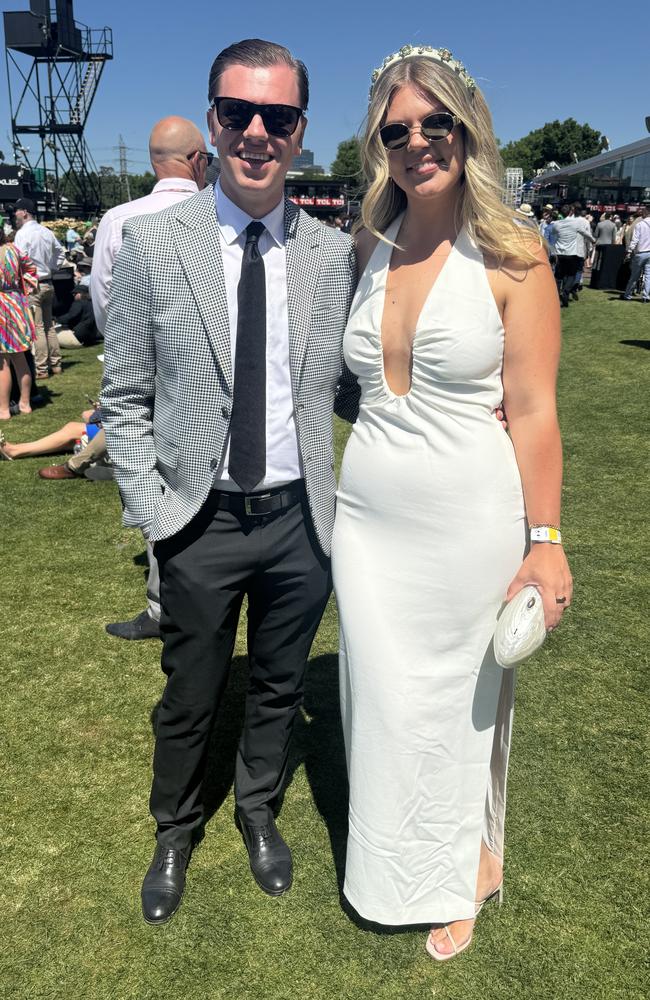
(280, 120)
(433, 127)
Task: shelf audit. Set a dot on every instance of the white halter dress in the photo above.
(430, 529)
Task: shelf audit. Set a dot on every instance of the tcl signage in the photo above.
(317, 202)
(597, 207)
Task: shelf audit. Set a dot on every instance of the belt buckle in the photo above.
(248, 501)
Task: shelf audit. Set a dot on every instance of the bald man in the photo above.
(179, 159)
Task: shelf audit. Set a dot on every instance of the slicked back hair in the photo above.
(258, 52)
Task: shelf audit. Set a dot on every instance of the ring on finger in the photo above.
(560, 600)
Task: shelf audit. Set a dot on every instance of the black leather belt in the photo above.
(261, 504)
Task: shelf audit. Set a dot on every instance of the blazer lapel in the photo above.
(303, 262)
(196, 237)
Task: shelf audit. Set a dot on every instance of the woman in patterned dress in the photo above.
(16, 325)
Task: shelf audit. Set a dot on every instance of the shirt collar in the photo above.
(233, 220)
(175, 184)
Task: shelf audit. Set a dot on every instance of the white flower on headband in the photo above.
(438, 55)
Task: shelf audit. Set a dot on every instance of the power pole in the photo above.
(124, 175)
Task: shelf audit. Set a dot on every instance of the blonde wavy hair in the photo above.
(480, 207)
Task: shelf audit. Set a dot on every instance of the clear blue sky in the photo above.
(534, 62)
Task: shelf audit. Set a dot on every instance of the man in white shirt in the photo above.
(572, 238)
(223, 357)
(43, 248)
(639, 256)
(179, 160)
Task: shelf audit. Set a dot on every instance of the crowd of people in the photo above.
(36, 323)
(234, 325)
(575, 238)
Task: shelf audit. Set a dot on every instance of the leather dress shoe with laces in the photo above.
(162, 889)
(141, 627)
(269, 856)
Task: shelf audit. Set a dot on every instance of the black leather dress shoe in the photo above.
(141, 627)
(162, 889)
(269, 856)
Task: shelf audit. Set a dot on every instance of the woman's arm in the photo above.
(531, 318)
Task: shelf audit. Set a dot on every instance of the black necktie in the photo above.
(247, 459)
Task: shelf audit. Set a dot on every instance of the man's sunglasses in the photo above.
(280, 120)
(433, 127)
(209, 157)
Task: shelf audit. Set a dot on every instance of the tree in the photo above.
(347, 165)
(564, 142)
(141, 184)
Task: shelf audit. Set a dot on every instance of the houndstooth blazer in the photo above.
(167, 341)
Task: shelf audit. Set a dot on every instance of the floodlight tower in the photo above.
(51, 96)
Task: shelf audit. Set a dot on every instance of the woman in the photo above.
(62, 440)
(17, 276)
(455, 311)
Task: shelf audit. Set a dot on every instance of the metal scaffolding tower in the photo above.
(51, 93)
(513, 186)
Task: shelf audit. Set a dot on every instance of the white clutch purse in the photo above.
(520, 629)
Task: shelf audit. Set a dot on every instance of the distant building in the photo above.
(319, 198)
(305, 160)
(303, 163)
(618, 180)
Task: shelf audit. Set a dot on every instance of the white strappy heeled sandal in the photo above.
(440, 956)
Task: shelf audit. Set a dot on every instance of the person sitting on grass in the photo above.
(78, 327)
(62, 440)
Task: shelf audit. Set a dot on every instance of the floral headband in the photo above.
(443, 56)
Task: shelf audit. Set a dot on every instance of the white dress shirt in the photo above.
(282, 456)
(109, 236)
(42, 246)
(640, 242)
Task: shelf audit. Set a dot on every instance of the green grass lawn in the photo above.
(76, 836)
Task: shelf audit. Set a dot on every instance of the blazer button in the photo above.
(214, 463)
(225, 412)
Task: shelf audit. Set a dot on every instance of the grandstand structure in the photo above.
(54, 67)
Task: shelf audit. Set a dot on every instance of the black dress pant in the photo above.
(566, 269)
(205, 571)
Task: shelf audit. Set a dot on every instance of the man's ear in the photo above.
(209, 117)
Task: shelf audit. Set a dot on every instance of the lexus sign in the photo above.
(11, 184)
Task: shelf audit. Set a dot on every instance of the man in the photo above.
(639, 256)
(628, 229)
(89, 462)
(78, 327)
(585, 244)
(572, 238)
(605, 235)
(179, 160)
(48, 255)
(605, 230)
(233, 319)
